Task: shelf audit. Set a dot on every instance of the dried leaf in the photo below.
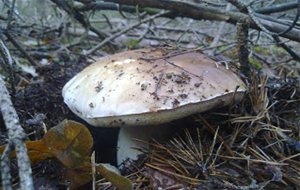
(79, 176)
(110, 174)
(38, 151)
(70, 142)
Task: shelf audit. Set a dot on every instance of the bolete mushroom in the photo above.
(138, 89)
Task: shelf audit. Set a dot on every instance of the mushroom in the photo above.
(136, 90)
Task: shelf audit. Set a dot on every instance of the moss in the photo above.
(262, 50)
(255, 63)
(132, 43)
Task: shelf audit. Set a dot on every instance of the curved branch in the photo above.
(197, 11)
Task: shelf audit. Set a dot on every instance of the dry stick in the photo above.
(8, 64)
(93, 164)
(242, 45)
(198, 11)
(78, 16)
(255, 18)
(124, 31)
(16, 136)
(217, 37)
(5, 167)
(277, 8)
(292, 53)
(239, 5)
(19, 47)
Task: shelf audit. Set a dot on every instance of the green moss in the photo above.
(255, 63)
(132, 43)
(268, 49)
(262, 50)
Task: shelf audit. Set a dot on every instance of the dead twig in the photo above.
(16, 137)
(198, 11)
(218, 35)
(79, 17)
(8, 64)
(19, 47)
(94, 49)
(242, 45)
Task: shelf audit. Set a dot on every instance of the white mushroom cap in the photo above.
(150, 86)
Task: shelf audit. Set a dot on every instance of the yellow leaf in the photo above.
(37, 151)
(79, 176)
(116, 179)
(70, 142)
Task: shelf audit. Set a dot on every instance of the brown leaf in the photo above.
(79, 176)
(70, 142)
(37, 151)
(115, 178)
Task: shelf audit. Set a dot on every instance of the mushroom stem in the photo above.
(130, 138)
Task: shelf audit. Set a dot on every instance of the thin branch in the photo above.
(218, 35)
(242, 45)
(197, 11)
(19, 47)
(79, 17)
(293, 54)
(94, 49)
(10, 14)
(277, 8)
(8, 64)
(252, 14)
(239, 5)
(113, 6)
(16, 136)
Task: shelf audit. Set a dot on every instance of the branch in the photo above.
(113, 6)
(123, 31)
(197, 11)
(217, 37)
(254, 17)
(16, 136)
(19, 47)
(78, 16)
(242, 43)
(8, 64)
(293, 54)
(240, 6)
(277, 8)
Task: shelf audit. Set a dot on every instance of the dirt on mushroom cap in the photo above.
(150, 86)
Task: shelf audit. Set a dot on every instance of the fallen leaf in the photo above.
(113, 176)
(79, 176)
(70, 142)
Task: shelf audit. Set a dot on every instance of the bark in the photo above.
(15, 133)
(16, 136)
